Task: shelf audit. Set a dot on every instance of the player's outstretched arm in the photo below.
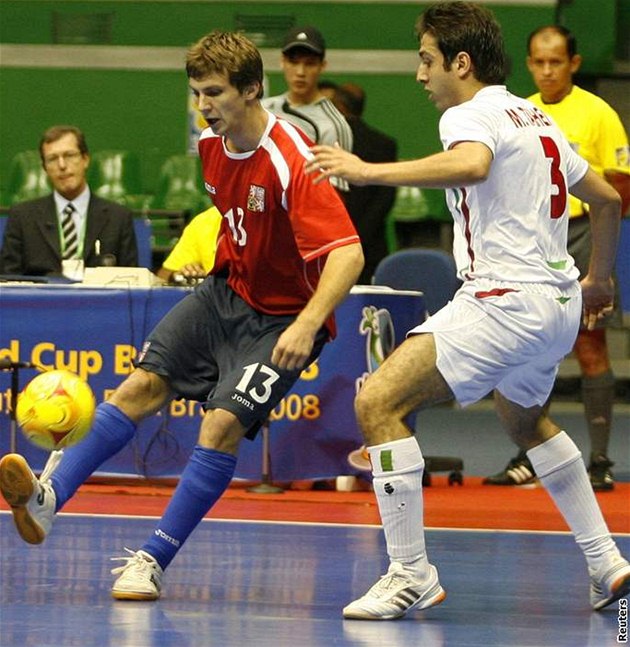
(342, 268)
(465, 164)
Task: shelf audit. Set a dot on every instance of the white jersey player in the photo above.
(518, 209)
(507, 170)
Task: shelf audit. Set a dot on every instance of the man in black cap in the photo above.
(303, 61)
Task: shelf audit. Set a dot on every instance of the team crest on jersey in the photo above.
(210, 189)
(256, 198)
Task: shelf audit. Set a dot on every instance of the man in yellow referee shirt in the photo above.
(595, 131)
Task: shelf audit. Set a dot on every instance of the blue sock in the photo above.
(203, 481)
(110, 432)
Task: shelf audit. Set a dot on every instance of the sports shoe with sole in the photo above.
(599, 472)
(519, 471)
(610, 582)
(395, 594)
(140, 578)
(32, 500)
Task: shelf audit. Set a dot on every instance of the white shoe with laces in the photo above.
(140, 578)
(395, 594)
(32, 500)
(610, 582)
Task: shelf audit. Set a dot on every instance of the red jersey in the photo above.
(277, 225)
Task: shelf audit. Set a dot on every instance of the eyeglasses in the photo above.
(69, 158)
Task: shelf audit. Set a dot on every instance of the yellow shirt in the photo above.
(593, 129)
(198, 242)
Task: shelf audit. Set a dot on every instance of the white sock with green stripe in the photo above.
(397, 468)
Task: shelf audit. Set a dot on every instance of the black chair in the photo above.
(432, 272)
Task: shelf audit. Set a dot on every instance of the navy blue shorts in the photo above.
(213, 347)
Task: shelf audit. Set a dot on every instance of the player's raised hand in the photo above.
(334, 160)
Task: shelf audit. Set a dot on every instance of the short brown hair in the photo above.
(226, 53)
(57, 132)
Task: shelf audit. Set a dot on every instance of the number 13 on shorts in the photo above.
(269, 377)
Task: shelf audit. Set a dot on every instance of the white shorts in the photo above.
(512, 342)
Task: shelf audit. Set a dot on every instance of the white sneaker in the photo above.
(396, 593)
(610, 582)
(140, 578)
(32, 501)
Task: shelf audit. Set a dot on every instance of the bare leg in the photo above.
(527, 427)
(407, 380)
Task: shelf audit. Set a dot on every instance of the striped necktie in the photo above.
(69, 233)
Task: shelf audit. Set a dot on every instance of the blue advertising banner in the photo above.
(96, 333)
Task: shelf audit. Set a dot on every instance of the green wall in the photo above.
(145, 110)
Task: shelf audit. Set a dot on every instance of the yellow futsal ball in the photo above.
(55, 409)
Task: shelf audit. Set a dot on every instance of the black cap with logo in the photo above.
(306, 38)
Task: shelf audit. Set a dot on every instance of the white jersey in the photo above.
(512, 228)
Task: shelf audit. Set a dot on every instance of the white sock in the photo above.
(559, 466)
(397, 467)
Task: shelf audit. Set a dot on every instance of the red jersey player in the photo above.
(287, 255)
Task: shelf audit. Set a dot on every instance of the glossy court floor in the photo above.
(284, 584)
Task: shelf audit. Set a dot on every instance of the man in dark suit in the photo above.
(368, 205)
(43, 236)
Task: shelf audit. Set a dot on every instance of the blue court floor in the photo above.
(278, 584)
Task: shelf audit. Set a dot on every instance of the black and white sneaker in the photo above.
(599, 472)
(519, 471)
(395, 594)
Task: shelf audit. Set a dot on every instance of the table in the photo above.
(96, 332)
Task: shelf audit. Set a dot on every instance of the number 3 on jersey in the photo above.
(558, 199)
(236, 226)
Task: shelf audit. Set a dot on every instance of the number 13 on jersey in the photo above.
(235, 219)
